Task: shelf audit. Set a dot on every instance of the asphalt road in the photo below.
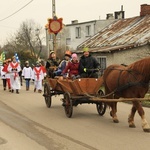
(27, 124)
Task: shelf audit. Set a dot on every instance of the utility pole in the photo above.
(53, 8)
(54, 35)
(54, 26)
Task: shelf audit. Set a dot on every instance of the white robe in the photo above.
(38, 76)
(27, 72)
(14, 76)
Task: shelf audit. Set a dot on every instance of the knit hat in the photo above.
(85, 49)
(74, 55)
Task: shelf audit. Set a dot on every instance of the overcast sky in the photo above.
(14, 12)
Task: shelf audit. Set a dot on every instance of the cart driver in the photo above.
(88, 65)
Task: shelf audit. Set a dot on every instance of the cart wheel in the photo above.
(68, 105)
(47, 95)
(101, 106)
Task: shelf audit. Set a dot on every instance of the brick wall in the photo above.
(145, 10)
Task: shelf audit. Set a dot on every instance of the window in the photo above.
(102, 62)
(68, 41)
(88, 30)
(78, 32)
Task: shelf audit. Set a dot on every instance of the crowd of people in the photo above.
(12, 75)
(73, 67)
(70, 67)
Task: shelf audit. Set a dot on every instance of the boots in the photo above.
(17, 91)
(9, 89)
(34, 89)
(27, 88)
(39, 91)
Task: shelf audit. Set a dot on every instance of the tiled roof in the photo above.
(119, 35)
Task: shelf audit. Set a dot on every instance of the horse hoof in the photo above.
(116, 121)
(146, 130)
(132, 126)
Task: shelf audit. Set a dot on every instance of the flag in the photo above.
(2, 57)
(17, 58)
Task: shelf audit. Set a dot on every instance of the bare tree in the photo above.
(28, 38)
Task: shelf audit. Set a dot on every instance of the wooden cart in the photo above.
(75, 92)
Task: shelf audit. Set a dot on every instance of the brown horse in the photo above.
(128, 82)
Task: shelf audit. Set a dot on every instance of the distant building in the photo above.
(121, 42)
(75, 33)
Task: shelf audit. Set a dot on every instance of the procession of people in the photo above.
(12, 75)
(71, 66)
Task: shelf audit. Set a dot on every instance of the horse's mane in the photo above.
(142, 66)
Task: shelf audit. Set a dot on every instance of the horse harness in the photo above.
(129, 83)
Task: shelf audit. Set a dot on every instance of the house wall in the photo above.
(67, 39)
(127, 56)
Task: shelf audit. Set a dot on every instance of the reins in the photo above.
(128, 84)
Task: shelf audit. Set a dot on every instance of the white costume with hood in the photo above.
(14, 68)
(38, 76)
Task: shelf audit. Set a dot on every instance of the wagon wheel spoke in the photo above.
(47, 95)
(68, 105)
(101, 106)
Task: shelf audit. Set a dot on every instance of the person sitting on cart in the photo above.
(72, 68)
(63, 64)
(52, 64)
(88, 65)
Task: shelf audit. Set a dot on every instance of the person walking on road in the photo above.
(13, 69)
(37, 77)
(27, 74)
(6, 75)
(3, 75)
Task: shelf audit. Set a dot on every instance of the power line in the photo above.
(16, 11)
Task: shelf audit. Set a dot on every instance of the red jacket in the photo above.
(72, 68)
(5, 67)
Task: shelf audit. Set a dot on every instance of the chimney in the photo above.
(74, 21)
(109, 16)
(119, 14)
(145, 10)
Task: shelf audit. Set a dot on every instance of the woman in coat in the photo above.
(72, 67)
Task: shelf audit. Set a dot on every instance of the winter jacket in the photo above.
(88, 63)
(52, 62)
(72, 68)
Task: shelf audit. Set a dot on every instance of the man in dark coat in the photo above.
(88, 65)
